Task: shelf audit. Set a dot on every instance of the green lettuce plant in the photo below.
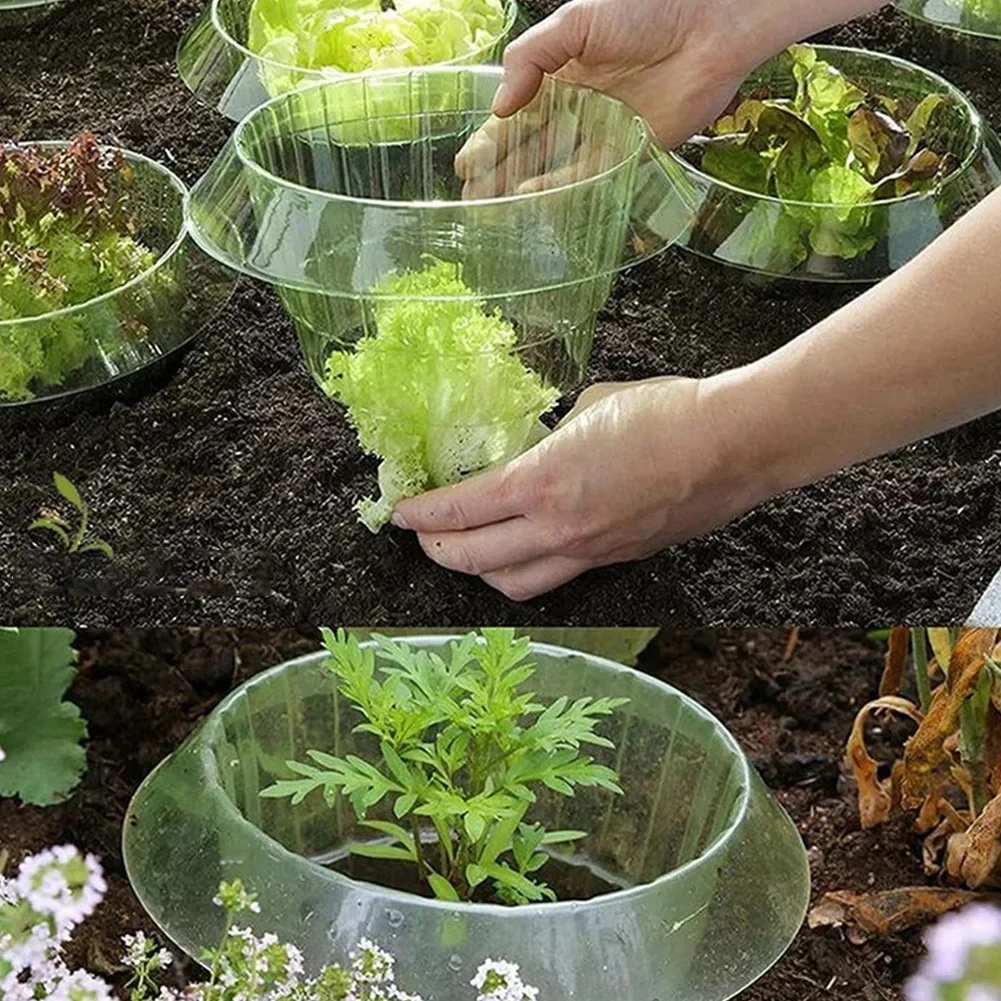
(41, 758)
(353, 36)
(67, 235)
(462, 747)
(833, 143)
(437, 392)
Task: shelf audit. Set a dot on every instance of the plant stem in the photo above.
(415, 830)
(81, 531)
(920, 651)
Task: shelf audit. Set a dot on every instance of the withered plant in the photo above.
(949, 772)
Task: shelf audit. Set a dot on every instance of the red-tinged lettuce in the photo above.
(66, 237)
(832, 143)
(438, 391)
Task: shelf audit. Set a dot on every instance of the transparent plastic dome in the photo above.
(142, 321)
(967, 30)
(743, 228)
(217, 64)
(335, 192)
(709, 876)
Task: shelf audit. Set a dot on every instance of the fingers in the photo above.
(492, 547)
(529, 580)
(545, 48)
(480, 500)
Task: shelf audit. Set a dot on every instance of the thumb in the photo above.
(545, 48)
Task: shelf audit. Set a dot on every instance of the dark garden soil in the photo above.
(142, 692)
(228, 494)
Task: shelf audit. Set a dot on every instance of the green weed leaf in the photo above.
(39, 732)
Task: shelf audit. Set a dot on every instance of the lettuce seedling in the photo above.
(67, 235)
(834, 143)
(76, 540)
(353, 36)
(463, 747)
(437, 392)
(40, 734)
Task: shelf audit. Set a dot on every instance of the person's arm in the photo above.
(677, 62)
(916, 354)
(641, 467)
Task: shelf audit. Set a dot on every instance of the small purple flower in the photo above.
(950, 941)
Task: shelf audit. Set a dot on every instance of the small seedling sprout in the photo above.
(80, 539)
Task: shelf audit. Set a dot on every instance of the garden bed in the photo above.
(228, 494)
(142, 692)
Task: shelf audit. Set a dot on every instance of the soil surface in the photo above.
(228, 493)
(143, 692)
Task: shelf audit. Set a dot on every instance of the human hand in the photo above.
(635, 467)
(677, 63)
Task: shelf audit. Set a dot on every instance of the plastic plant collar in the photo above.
(713, 874)
(341, 193)
(747, 229)
(215, 61)
(138, 324)
(969, 28)
(16, 5)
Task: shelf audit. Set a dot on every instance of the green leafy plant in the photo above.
(437, 392)
(462, 748)
(986, 11)
(40, 734)
(357, 35)
(67, 235)
(76, 540)
(832, 143)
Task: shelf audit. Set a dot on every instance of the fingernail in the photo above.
(399, 521)
(500, 97)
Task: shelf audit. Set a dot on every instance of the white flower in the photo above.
(499, 980)
(141, 951)
(62, 884)
(81, 986)
(370, 964)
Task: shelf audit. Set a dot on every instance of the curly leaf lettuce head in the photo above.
(437, 392)
(352, 36)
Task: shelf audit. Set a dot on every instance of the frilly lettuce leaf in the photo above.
(352, 36)
(437, 392)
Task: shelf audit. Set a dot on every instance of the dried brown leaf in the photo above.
(925, 750)
(888, 911)
(973, 854)
(875, 795)
(896, 660)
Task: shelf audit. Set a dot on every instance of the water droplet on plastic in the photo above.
(455, 963)
(395, 918)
